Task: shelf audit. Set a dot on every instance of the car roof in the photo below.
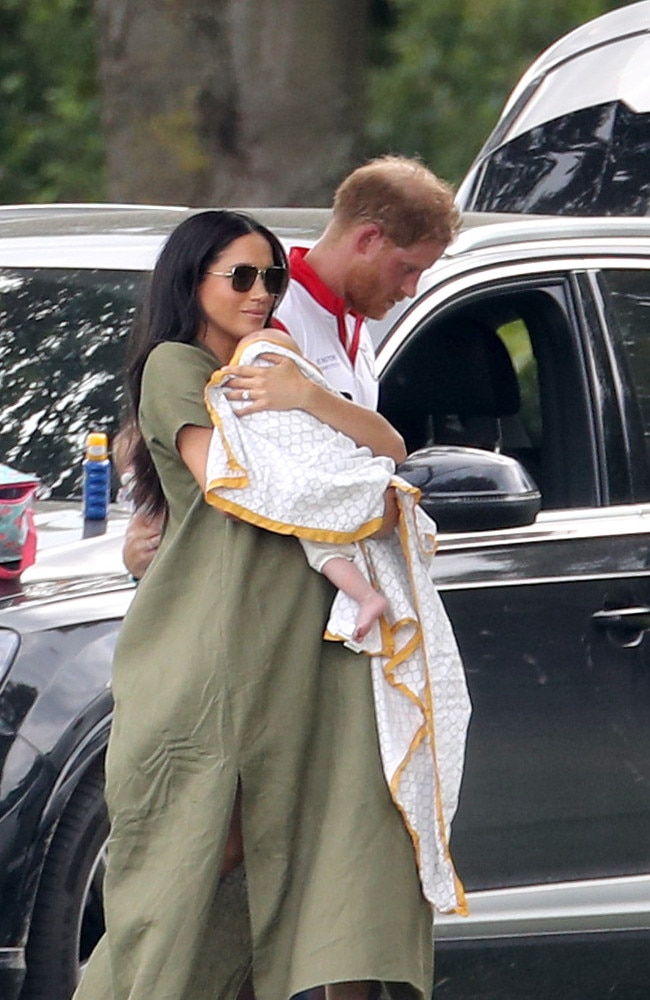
(70, 218)
(625, 29)
(500, 230)
(572, 135)
(607, 29)
(127, 237)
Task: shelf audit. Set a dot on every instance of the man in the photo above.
(391, 219)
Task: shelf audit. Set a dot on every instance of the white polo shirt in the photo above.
(327, 333)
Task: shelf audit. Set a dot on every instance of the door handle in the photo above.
(624, 626)
(635, 619)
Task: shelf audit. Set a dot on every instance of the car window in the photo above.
(516, 337)
(62, 339)
(500, 370)
(627, 295)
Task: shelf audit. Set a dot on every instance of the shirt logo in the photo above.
(327, 361)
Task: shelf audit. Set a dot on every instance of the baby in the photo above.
(336, 459)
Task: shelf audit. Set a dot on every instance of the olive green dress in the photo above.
(221, 675)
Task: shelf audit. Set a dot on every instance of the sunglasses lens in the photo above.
(243, 277)
(275, 280)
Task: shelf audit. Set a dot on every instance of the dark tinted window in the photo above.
(589, 162)
(501, 368)
(628, 296)
(62, 339)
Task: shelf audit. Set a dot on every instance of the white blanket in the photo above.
(421, 699)
(287, 472)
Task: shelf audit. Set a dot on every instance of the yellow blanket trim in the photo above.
(387, 648)
(282, 528)
(462, 908)
(387, 637)
(232, 461)
(404, 487)
(331, 637)
(412, 834)
(236, 482)
(420, 735)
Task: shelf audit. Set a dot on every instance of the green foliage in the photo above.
(442, 70)
(51, 146)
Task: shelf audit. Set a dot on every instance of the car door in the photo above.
(551, 618)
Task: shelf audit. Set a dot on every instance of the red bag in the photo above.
(17, 530)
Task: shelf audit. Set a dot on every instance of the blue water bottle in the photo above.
(96, 478)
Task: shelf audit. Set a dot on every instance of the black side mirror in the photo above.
(468, 489)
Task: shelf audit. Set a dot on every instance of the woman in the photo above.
(225, 691)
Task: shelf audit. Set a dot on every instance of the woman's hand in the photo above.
(141, 542)
(281, 386)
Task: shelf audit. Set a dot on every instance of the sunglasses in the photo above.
(244, 276)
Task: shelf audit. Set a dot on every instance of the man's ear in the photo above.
(369, 237)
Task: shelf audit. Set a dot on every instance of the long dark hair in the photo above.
(172, 311)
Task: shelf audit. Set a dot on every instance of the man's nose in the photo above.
(410, 284)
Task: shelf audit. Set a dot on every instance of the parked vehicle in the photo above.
(519, 375)
(573, 136)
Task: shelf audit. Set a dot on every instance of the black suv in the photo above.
(519, 373)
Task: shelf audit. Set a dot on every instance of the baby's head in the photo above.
(273, 335)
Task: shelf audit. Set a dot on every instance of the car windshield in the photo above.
(62, 341)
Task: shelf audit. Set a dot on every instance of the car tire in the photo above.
(68, 918)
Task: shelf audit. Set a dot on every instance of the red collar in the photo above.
(302, 272)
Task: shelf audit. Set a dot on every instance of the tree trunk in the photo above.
(231, 102)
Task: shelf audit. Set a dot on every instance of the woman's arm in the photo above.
(144, 531)
(193, 444)
(282, 386)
